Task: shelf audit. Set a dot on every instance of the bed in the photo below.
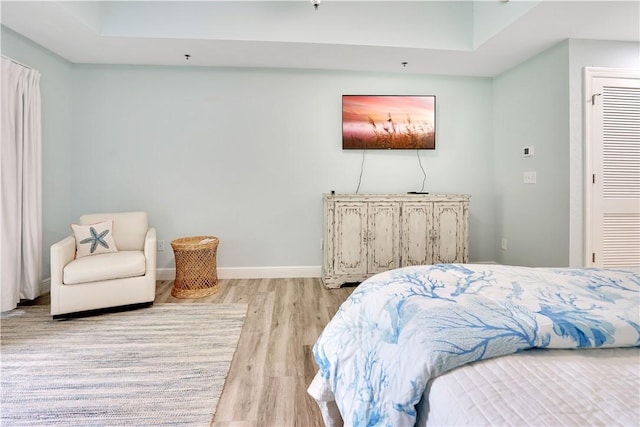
(468, 344)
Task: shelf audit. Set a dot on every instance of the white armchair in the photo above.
(126, 278)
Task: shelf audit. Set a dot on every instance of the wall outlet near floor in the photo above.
(160, 245)
(503, 244)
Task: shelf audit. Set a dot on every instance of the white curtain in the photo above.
(20, 189)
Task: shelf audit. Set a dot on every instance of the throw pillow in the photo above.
(94, 239)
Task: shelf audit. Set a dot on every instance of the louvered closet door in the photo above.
(615, 154)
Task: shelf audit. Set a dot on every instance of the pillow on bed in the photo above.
(94, 239)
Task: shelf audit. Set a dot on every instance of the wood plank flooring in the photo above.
(273, 364)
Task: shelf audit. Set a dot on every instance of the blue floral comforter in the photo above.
(401, 328)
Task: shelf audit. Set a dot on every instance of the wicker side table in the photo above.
(196, 274)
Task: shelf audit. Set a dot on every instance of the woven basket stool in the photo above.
(196, 274)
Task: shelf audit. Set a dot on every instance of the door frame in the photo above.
(589, 75)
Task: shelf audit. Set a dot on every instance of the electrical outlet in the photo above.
(503, 244)
(529, 177)
(160, 245)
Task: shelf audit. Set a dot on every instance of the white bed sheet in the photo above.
(595, 387)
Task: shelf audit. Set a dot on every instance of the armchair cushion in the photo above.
(115, 265)
(94, 239)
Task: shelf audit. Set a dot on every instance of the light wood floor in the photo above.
(273, 364)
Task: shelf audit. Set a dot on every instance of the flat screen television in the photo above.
(388, 122)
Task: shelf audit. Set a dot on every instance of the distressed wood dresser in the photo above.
(365, 234)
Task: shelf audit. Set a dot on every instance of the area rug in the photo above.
(157, 366)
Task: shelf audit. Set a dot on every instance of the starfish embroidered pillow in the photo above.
(94, 239)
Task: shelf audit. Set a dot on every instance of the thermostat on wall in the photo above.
(528, 151)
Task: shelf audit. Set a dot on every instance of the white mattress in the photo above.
(540, 387)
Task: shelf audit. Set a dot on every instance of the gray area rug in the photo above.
(157, 366)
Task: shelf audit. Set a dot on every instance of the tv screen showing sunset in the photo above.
(388, 122)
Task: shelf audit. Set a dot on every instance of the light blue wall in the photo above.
(245, 154)
(56, 89)
(541, 103)
(531, 109)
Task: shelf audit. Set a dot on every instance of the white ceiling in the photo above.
(479, 38)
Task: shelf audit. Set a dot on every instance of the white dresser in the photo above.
(365, 234)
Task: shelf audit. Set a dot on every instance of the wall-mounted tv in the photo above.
(388, 122)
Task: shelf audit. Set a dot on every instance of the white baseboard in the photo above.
(165, 273)
(252, 272)
(45, 286)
